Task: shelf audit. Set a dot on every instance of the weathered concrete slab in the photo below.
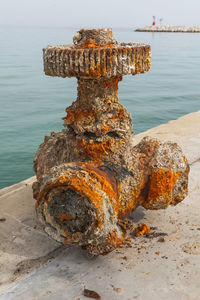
(21, 235)
(144, 268)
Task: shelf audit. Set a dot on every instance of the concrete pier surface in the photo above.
(169, 29)
(163, 265)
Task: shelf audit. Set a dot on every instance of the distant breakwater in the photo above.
(194, 29)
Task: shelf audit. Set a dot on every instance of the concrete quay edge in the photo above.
(16, 187)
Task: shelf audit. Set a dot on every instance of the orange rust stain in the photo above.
(142, 229)
(162, 183)
(78, 115)
(95, 163)
(186, 162)
(112, 82)
(127, 207)
(103, 70)
(107, 180)
(106, 186)
(97, 150)
(115, 240)
(91, 44)
(95, 71)
(185, 159)
(62, 178)
(105, 128)
(118, 145)
(64, 217)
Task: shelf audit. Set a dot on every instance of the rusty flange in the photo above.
(89, 176)
(94, 54)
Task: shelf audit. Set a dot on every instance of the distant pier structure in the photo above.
(155, 28)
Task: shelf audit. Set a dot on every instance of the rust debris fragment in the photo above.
(89, 176)
(142, 229)
(91, 294)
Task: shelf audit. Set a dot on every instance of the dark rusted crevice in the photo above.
(113, 134)
(71, 130)
(145, 190)
(88, 134)
(70, 211)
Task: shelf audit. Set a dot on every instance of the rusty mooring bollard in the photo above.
(89, 176)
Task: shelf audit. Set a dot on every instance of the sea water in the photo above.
(32, 104)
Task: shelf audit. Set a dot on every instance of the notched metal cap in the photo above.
(94, 54)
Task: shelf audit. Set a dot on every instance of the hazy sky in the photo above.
(95, 13)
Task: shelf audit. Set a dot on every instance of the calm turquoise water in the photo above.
(32, 104)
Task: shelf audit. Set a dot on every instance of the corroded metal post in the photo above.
(89, 176)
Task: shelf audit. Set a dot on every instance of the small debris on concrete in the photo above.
(2, 219)
(156, 234)
(157, 252)
(91, 294)
(117, 290)
(142, 229)
(124, 257)
(153, 228)
(191, 247)
(162, 240)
